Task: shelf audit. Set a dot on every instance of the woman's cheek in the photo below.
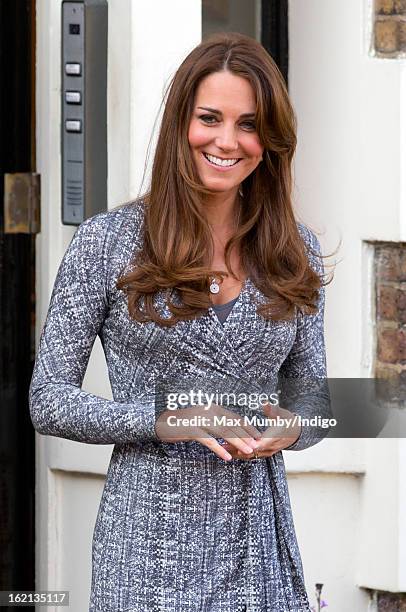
(253, 147)
(197, 135)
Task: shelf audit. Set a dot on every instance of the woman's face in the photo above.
(222, 134)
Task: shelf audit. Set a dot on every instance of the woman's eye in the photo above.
(250, 125)
(207, 118)
(211, 119)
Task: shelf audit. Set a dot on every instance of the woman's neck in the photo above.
(222, 210)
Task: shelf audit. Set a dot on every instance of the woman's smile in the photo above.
(222, 132)
(220, 163)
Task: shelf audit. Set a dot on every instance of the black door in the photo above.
(264, 20)
(17, 154)
(274, 32)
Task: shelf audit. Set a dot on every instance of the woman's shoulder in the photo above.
(308, 236)
(109, 239)
(312, 245)
(128, 216)
(119, 225)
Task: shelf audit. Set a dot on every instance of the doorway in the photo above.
(264, 20)
(17, 300)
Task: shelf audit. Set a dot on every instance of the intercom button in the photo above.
(73, 97)
(73, 69)
(73, 125)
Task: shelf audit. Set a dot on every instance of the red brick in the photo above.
(401, 305)
(385, 373)
(384, 7)
(388, 345)
(387, 303)
(400, 7)
(402, 345)
(386, 36)
(388, 264)
(402, 36)
(391, 602)
(401, 298)
(402, 264)
(402, 317)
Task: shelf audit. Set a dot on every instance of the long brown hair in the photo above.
(177, 243)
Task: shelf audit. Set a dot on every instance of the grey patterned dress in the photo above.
(178, 529)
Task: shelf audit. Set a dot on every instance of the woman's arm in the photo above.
(303, 374)
(77, 309)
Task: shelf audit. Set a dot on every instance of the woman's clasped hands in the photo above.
(276, 437)
(241, 439)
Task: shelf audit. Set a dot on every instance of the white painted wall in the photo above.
(348, 166)
(327, 528)
(149, 39)
(349, 183)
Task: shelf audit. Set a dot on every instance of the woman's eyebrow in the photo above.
(217, 112)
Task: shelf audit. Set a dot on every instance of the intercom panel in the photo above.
(84, 109)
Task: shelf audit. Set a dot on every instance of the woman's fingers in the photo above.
(214, 446)
(238, 423)
(251, 430)
(240, 436)
(236, 454)
(237, 436)
(268, 449)
(245, 445)
(236, 431)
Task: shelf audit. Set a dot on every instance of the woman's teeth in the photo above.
(220, 162)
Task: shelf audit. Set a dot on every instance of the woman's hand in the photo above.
(273, 439)
(177, 426)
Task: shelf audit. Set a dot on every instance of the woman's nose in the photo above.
(227, 139)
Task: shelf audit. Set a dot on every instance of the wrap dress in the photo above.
(178, 529)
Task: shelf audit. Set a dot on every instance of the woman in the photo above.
(206, 280)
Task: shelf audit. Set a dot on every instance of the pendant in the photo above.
(214, 287)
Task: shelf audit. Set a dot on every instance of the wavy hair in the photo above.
(177, 244)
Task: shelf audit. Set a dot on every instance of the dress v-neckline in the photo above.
(231, 315)
(217, 307)
(213, 326)
(223, 310)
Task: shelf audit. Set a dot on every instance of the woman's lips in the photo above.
(220, 168)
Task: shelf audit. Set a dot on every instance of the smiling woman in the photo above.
(219, 207)
(224, 142)
(194, 516)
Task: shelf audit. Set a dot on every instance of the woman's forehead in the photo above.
(226, 89)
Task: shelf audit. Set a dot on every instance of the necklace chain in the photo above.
(214, 285)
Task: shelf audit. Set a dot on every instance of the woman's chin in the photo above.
(220, 186)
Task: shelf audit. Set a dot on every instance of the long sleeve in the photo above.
(303, 374)
(77, 309)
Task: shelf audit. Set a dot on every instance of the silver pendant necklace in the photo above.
(214, 286)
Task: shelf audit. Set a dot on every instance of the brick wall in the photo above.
(391, 602)
(390, 28)
(390, 282)
(390, 362)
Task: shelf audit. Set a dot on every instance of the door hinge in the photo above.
(22, 203)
